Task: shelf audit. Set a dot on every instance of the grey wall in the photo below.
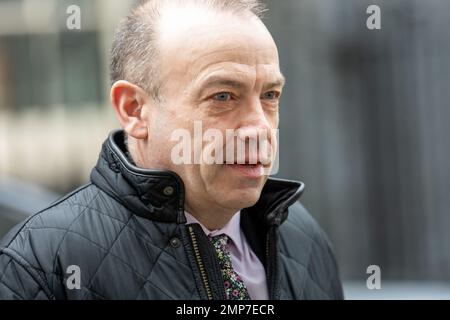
(365, 124)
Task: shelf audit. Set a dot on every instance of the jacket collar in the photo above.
(159, 195)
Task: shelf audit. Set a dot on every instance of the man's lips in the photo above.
(265, 162)
(248, 170)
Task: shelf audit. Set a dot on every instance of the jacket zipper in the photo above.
(200, 264)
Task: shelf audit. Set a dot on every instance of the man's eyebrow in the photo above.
(279, 82)
(220, 80)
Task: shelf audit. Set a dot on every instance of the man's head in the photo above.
(207, 61)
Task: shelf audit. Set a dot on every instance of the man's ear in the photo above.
(128, 101)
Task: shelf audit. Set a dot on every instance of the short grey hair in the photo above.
(134, 55)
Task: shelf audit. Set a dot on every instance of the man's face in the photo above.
(221, 71)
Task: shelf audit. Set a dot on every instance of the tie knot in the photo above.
(220, 240)
(220, 244)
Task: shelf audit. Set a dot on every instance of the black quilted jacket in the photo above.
(126, 231)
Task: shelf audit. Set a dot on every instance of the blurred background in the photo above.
(365, 123)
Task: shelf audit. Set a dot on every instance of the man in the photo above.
(148, 226)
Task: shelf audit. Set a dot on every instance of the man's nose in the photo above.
(255, 131)
(253, 120)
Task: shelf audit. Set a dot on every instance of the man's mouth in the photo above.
(248, 170)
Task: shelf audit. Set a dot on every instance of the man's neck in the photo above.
(212, 219)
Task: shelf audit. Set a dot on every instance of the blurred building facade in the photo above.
(54, 87)
(367, 128)
(364, 119)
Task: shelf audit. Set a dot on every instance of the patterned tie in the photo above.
(235, 288)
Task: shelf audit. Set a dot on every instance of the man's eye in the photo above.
(222, 96)
(270, 95)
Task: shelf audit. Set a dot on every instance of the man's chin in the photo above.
(240, 199)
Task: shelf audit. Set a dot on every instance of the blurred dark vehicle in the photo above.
(19, 200)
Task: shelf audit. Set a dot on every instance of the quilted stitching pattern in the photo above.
(122, 251)
(114, 249)
(311, 259)
(123, 256)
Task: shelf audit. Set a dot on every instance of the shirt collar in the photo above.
(232, 229)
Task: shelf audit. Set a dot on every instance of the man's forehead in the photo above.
(194, 45)
(236, 59)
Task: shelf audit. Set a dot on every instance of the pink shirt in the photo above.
(244, 260)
